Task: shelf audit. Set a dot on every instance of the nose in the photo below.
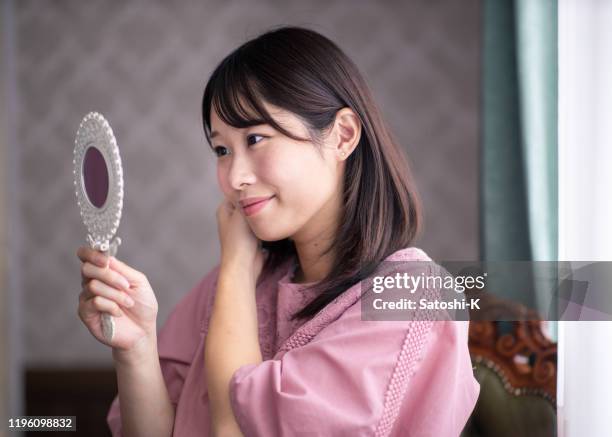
(240, 172)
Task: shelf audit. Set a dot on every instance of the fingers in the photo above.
(96, 304)
(105, 275)
(104, 305)
(102, 285)
(132, 275)
(97, 288)
(87, 254)
(93, 256)
(225, 207)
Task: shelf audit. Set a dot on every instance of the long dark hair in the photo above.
(303, 72)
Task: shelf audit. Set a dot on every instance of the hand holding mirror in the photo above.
(98, 182)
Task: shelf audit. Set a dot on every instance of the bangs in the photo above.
(236, 96)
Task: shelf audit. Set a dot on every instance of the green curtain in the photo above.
(536, 24)
(519, 206)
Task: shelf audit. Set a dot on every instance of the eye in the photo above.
(252, 139)
(221, 151)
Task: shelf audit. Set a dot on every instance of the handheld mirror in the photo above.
(98, 183)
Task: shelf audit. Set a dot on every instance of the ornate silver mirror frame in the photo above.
(101, 221)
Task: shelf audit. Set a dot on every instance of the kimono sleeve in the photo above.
(177, 342)
(350, 380)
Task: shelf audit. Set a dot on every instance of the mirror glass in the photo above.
(95, 177)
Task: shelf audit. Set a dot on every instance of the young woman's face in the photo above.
(301, 182)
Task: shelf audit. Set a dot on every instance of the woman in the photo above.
(271, 341)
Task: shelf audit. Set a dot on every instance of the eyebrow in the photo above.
(214, 133)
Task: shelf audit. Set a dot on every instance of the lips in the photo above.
(253, 200)
(253, 205)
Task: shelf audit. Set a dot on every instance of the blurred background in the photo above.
(448, 77)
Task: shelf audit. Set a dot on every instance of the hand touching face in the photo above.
(240, 248)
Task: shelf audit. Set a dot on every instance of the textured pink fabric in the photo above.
(334, 375)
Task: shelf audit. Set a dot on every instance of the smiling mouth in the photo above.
(255, 207)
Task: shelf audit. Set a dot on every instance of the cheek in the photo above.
(222, 179)
(302, 178)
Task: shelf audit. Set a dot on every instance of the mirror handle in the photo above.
(107, 321)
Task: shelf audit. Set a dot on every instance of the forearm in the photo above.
(231, 342)
(144, 402)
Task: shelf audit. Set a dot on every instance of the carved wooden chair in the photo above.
(516, 366)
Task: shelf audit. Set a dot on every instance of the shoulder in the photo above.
(347, 306)
(346, 313)
(409, 254)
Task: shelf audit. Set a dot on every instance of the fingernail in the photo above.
(129, 302)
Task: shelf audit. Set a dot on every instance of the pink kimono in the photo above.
(334, 375)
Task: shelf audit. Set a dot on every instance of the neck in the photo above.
(310, 243)
(313, 265)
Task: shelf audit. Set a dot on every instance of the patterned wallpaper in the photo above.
(144, 65)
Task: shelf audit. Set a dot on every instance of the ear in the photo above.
(347, 132)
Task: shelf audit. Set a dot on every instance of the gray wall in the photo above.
(11, 338)
(4, 299)
(144, 65)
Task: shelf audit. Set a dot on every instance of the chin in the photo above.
(266, 234)
(269, 229)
